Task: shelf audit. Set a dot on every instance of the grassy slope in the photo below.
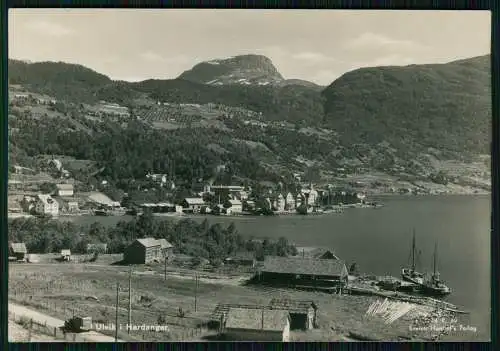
(413, 108)
(446, 106)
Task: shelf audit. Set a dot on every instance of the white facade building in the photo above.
(45, 204)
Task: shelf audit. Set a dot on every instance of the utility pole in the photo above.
(129, 300)
(195, 292)
(116, 318)
(165, 272)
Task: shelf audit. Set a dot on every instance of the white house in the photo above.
(72, 206)
(45, 204)
(64, 190)
(361, 197)
(193, 203)
(236, 206)
(290, 201)
(158, 178)
(280, 203)
(311, 195)
(55, 163)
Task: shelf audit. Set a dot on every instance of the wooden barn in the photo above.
(303, 314)
(303, 272)
(251, 324)
(147, 250)
(18, 251)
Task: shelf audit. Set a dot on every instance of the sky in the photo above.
(315, 45)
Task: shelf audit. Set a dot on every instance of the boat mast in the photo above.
(413, 252)
(435, 259)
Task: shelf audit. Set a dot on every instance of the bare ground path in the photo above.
(52, 322)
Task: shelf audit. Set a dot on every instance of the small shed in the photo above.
(66, 255)
(303, 313)
(250, 324)
(142, 251)
(18, 250)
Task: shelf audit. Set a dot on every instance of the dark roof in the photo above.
(318, 252)
(299, 265)
(292, 305)
(256, 319)
(19, 248)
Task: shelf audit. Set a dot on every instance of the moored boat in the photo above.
(101, 213)
(410, 274)
(434, 285)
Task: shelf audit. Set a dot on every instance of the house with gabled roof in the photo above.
(18, 250)
(46, 205)
(64, 190)
(193, 204)
(146, 250)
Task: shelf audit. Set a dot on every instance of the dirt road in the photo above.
(52, 322)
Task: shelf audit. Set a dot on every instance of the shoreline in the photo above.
(17, 215)
(341, 316)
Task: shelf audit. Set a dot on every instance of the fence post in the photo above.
(55, 332)
(30, 329)
(74, 337)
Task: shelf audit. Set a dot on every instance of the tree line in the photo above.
(201, 240)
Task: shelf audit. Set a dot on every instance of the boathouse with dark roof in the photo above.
(301, 272)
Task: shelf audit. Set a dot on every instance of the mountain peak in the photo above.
(243, 70)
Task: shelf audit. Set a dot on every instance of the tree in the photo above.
(146, 225)
(353, 269)
(312, 174)
(302, 209)
(48, 188)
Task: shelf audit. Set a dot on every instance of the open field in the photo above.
(90, 289)
(49, 328)
(19, 333)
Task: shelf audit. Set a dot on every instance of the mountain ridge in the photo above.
(397, 119)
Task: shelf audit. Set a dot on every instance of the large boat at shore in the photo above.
(434, 285)
(410, 274)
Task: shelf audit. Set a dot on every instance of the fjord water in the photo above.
(379, 241)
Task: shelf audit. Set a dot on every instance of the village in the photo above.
(54, 193)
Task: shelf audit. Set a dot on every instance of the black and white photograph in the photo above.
(249, 175)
